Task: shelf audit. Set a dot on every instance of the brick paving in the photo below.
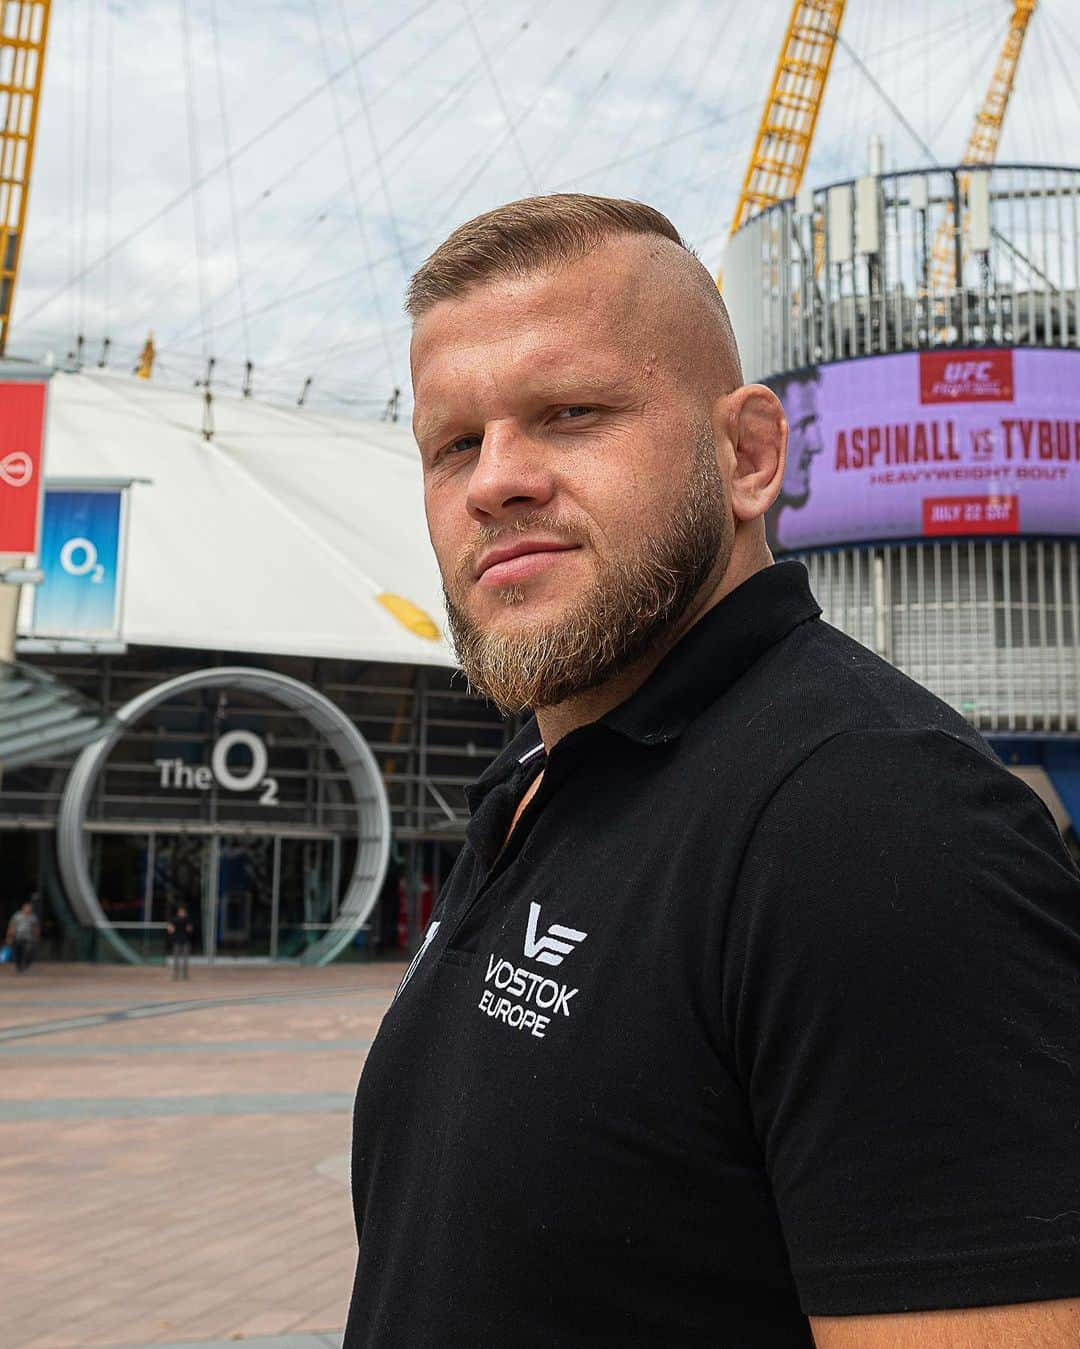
(174, 1168)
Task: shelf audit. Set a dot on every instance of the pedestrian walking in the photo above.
(22, 936)
(180, 929)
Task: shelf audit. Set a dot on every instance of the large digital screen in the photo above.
(930, 444)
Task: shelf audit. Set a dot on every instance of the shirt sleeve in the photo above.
(902, 999)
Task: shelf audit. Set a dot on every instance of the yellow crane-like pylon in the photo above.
(786, 131)
(24, 30)
(983, 142)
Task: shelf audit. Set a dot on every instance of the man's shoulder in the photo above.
(817, 685)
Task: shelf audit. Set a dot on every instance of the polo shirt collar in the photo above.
(713, 654)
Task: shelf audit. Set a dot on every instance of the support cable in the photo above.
(231, 183)
(530, 177)
(445, 102)
(353, 189)
(889, 49)
(73, 66)
(1042, 43)
(1066, 74)
(110, 43)
(380, 167)
(692, 86)
(677, 52)
(307, 159)
(338, 278)
(316, 217)
(653, 146)
(584, 102)
(720, 179)
(486, 154)
(88, 128)
(196, 199)
(993, 27)
(886, 98)
(249, 144)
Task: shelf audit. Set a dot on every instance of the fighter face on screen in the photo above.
(799, 397)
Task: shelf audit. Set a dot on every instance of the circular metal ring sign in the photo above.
(233, 771)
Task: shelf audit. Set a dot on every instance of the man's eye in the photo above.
(462, 445)
(578, 410)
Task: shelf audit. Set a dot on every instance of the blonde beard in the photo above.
(632, 602)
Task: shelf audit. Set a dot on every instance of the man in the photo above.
(747, 1016)
(180, 929)
(798, 393)
(22, 936)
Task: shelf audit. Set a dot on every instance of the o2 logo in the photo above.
(79, 557)
(178, 774)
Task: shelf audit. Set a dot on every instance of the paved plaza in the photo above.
(174, 1156)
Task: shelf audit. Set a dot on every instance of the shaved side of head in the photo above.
(675, 287)
(544, 234)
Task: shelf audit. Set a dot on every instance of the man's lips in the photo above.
(516, 562)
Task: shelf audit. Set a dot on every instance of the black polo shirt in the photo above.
(768, 1007)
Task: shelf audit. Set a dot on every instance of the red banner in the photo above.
(971, 515)
(22, 434)
(965, 376)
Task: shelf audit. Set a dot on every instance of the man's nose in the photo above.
(510, 476)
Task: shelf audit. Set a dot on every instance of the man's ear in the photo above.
(758, 431)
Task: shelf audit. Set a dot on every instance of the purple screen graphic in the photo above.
(930, 444)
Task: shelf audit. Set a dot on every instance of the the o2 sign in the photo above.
(223, 770)
(79, 557)
(79, 596)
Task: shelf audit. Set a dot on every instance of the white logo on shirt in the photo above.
(555, 945)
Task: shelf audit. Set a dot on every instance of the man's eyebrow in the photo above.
(429, 428)
(563, 384)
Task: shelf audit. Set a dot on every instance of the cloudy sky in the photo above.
(333, 143)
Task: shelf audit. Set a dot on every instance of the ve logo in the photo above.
(557, 943)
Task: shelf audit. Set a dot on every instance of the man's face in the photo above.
(571, 477)
(804, 440)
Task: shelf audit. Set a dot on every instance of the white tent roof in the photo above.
(276, 536)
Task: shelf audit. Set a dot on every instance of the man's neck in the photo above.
(557, 722)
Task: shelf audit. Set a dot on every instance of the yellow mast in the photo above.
(782, 147)
(24, 28)
(983, 142)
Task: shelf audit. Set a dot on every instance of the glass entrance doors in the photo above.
(269, 897)
(250, 896)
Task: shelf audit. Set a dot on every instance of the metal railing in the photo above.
(847, 270)
(991, 627)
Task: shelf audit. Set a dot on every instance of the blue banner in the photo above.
(80, 556)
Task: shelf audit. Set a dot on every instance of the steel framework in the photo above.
(983, 142)
(786, 132)
(24, 29)
(1020, 284)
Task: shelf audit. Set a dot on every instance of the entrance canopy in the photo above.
(289, 532)
(40, 717)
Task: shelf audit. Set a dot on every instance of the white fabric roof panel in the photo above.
(276, 536)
